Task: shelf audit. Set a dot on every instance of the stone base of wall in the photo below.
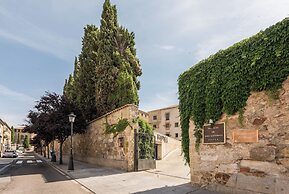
(146, 164)
(119, 164)
(243, 184)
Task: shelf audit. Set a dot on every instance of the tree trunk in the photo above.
(45, 151)
(48, 152)
(60, 153)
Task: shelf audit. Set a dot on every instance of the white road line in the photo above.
(19, 162)
(39, 161)
(29, 161)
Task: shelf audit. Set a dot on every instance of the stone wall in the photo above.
(165, 145)
(260, 167)
(102, 149)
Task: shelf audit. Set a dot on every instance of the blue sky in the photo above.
(39, 40)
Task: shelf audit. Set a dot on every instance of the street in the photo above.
(30, 174)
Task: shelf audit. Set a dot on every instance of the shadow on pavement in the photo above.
(82, 169)
(180, 189)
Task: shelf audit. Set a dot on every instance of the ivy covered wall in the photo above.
(223, 82)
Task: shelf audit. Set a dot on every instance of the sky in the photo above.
(39, 40)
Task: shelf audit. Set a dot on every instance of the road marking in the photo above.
(39, 161)
(29, 161)
(19, 162)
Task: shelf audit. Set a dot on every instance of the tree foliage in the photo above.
(12, 135)
(223, 82)
(50, 121)
(26, 142)
(105, 74)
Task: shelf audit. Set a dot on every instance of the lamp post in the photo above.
(71, 120)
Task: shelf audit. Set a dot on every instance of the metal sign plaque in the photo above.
(214, 134)
(245, 136)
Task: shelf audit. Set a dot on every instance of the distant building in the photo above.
(143, 115)
(5, 136)
(20, 136)
(166, 121)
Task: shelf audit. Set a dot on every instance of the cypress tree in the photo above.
(12, 135)
(105, 74)
(85, 72)
(69, 88)
(118, 67)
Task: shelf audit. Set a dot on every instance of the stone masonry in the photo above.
(102, 149)
(261, 167)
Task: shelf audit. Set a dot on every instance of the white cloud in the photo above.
(250, 18)
(4, 91)
(166, 47)
(159, 100)
(14, 120)
(30, 35)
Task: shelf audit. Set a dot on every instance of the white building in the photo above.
(166, 121)
(5, 136)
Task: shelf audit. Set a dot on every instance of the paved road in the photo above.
(30, 174)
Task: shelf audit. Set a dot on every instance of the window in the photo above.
(155, 126)
(120, 141)
(176, 124)
(167, 125)
(155, 117)
(177, 135)
(168, 134)
(167, 116)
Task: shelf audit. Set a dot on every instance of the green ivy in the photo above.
(146, 140)
(223, 82)
(117, 128)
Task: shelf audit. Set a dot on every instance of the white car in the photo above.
(10, 154)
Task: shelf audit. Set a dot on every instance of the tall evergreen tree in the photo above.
(86, 76)
(26, 142)
(68, 90)
(118, 67)
(12, 135)
(105, 74)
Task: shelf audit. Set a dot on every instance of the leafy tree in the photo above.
(12, 135)
(50, 119)
(18, 139)
(26, 142)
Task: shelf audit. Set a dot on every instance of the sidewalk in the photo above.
(107, 180)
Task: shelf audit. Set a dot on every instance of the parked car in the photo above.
(21, 149)
(10, 154)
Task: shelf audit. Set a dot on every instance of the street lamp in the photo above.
(71, 120)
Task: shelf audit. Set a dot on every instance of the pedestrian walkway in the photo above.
(112, 181)
(173, 165)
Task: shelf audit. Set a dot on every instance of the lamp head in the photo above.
(71, 117)
(211, 121)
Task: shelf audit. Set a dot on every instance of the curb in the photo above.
(64, 172)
